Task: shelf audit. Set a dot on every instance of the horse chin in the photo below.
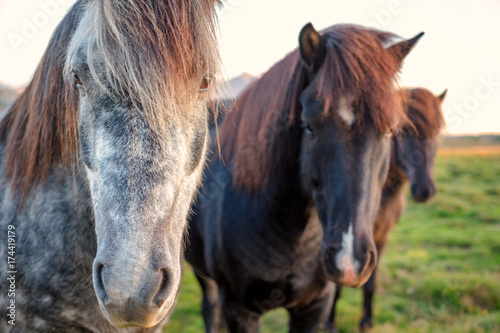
(350, 282)
(348, 275)
(124, 315)
(421, 200)
(120, 321)
(133, 324)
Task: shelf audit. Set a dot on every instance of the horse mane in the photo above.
(357, 64)
(252, 133)
(424, 111)
(41, 126)
(155, 53)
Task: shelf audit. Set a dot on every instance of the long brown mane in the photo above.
(356, 64)
(155, 52)
(40, 128)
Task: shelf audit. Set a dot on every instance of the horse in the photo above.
(412, 160)
(289, 205)
(101, 158)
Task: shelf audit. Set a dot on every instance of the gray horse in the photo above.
(101, 157)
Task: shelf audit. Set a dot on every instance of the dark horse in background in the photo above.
(291, 204)
(412, 160)
(101, 157)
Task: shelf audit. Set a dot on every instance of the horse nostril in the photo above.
(99, 284)
(164, 289)
(329, 260)
(373, 258)
(331, 250)
(371, 261)
(421, 193)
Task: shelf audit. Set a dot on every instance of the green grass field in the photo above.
(441, 269)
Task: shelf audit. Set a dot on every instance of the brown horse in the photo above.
(412, 160)
(306, 153)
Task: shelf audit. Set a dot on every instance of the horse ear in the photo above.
(400, 50)
(443, 95)
(312, 47)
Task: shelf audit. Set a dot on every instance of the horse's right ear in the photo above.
(443, 95)
(400, 50)
(312, 47)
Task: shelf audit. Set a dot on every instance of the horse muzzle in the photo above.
(137, 298)
(350, 262)
(423, 192)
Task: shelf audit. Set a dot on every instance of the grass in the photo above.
(441, 268)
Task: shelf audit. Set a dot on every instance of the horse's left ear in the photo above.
(312, 47)
(401, 49)
(443, 95)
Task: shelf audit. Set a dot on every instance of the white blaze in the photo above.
(345, 258)
(345, 111)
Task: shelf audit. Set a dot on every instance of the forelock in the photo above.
(154, 53)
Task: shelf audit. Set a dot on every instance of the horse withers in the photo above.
(412, 160)
(291, 204)
(101, 157)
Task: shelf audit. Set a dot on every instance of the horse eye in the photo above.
(205, 83)
(307, 128)
(78, 82)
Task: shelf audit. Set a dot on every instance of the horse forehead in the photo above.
(345, 110)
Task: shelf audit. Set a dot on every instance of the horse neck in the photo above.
(64, 200)
(287, 202)
(64, 183)
(268, 116)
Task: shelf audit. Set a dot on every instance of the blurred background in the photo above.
(441, 269)
(460, 50)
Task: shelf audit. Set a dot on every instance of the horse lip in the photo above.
(416, 199)
(123, 324)
(132, 324)
(354, 284)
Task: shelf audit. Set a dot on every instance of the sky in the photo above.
(460, 50)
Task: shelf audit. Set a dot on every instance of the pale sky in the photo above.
(460, 50)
